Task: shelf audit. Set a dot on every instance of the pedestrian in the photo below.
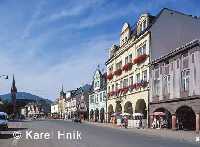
(125, 122)
(140, 123)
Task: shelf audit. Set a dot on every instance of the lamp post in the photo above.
(4, 77)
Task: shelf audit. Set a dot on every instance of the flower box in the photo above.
(139, 59)
(118, 72)
(144, 84)
(127, 67)
(125, 90)
(112, 93)
(110, 76)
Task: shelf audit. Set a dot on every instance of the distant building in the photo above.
(78, 102)
(68, 104)
(97, 98)
(61, 103)
(175, 87)
(35, 109)
(54, 110)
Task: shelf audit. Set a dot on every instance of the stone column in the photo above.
(173, 122)
(197, 123)
(150, 121)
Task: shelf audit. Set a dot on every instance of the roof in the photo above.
(153, 20)
(190, 44)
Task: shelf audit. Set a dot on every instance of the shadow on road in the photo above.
(6, 136)
(8, 133)
(14, 129)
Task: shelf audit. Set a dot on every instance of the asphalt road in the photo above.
(88, 136)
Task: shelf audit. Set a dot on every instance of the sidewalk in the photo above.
(189, 136)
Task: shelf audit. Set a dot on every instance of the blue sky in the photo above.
(47, 43)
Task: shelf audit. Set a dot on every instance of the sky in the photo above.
(47, 43)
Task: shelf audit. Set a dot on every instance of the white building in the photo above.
(54, 109)
(97, 98)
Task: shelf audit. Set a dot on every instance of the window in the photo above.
(193, 58)
(110, 68)
(144, 24)
(116, 86)
(130, 58)
(92, 99)
(185, 76)
(166, 85)
(131, 80)
(119, 65)
(108, 89)
(138, 78)
(172, 66)
(125, 84)
(157, 73)
(121, 84)
(144, 75)
(101, 97)
(113, 87)
(97, 98)
(156, 87)
(141, 50)
(185, 62)
(104, 96)
(166, 69)
(177, 62)
(126, 60)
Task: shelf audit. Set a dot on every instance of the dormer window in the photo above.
(142, 23)
(125, 34)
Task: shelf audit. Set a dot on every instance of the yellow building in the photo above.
(128, 71)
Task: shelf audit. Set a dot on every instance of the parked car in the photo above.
(76, 119)
(3, 120)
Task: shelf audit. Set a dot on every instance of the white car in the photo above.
(3, 120)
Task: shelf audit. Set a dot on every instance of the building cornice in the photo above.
(178, 50)
(176, 99)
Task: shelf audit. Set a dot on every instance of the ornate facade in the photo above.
(127, 69)
(175, 88)
(97, 98)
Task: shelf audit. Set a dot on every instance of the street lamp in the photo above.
(4, 76)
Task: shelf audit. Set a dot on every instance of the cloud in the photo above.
(33, 20)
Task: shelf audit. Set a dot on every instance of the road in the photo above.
(91, 136)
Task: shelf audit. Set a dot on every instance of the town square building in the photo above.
(175, 87)
(54, 110)
(77, 103)
(127, 69)
(150, 38)
(97, 97)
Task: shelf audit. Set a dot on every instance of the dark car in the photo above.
(76, 119)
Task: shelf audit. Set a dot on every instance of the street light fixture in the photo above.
(4, 76)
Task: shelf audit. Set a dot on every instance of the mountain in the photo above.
(24, 96)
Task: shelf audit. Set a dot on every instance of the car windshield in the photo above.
(2, 117)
